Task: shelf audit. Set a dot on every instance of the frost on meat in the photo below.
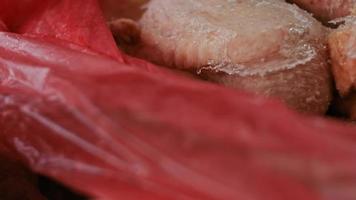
(342, 44)
(267, 47)
(326, 10)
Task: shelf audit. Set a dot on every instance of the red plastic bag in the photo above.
(124, 129)
(2, 26)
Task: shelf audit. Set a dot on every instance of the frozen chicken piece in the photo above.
(342, 44)
(326, 9)
(268, 47)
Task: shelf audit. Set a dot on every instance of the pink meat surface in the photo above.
(327, 9)
(269, 47)
(342, 44)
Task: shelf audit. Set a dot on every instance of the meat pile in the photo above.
(268, 47)
(75, 108)
(343, 50)
(342, 47)
(327, 10)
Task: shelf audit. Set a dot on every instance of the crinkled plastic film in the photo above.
(113, 127)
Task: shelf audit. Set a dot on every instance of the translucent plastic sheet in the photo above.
(114, 127)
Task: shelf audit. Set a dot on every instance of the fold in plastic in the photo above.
(114, 127)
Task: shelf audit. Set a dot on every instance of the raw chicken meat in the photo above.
(267, 47)
(326, 10)
(342, 43)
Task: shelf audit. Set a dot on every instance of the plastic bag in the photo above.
(115, 127)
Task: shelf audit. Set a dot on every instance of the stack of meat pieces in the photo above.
(342, 47)
(267, 47)
(326, 10)
(343, 55)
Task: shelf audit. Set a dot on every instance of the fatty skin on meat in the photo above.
(326, 10)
